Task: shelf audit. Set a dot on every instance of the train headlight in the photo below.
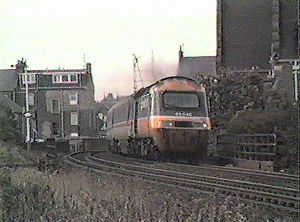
(168, 123)
(157, 123)
(161, 123)
(203, 125)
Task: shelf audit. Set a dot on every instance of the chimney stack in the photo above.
(180, 53)
(88, 68)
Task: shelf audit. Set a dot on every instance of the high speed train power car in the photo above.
(168, 118)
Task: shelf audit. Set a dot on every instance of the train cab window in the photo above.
(181, 100)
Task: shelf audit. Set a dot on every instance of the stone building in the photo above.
(8, 95)
(261, 35)
(250, 31)
(61, 102)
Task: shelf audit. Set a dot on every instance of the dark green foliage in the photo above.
(28, 201)
(246, 103)
(9, 129)
(230, 93)
(259, 121)
(9, 196)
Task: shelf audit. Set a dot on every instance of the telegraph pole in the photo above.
(27, 113)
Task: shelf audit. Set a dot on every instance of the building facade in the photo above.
(263, 35)
(250, 32)
(61, 102)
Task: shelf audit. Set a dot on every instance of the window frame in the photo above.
(73, 102)
(31, 78)
(66, 80)
(70, 78)
(62, 78)
(58, 106)
(59, 78)
(74, 122)
(181, 92)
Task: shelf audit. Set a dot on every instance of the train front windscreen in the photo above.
(183, 104)
(181, 100)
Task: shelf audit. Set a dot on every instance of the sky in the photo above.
(58, 33)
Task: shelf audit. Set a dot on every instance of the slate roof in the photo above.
(55, 70)
(15, 108)
(107, 103)
(205, 65)
(8, 79)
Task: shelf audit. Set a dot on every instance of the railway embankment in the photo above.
(71, 194)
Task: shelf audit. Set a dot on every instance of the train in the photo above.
(167, 119)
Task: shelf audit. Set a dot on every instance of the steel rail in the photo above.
(288, 180)
(211, 179)
(248, 194)
(271, 178)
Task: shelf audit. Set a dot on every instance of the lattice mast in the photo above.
(136, 74)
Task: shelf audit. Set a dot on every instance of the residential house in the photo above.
(196, 65)
(61, 102)
(102, 107)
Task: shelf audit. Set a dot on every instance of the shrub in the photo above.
(9, 130)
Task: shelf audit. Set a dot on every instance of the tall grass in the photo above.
(27, 194)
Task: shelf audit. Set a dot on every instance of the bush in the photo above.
(259, 121)
(9, 130)
(10, 154)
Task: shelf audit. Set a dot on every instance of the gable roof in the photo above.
(8, 79)
(205, 65)
(15, 108)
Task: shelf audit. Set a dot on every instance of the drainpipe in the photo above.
(27, 114)
(62, 113)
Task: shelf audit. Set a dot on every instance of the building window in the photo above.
(65, 78)
(55, 128)
(73, 78)
(74, 119)
(56, 78)
(55, 106)
(73, 98)
(31, 99)
(31, 78)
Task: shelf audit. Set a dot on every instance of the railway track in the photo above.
(255, 176)
(271, 178)
(280, 197)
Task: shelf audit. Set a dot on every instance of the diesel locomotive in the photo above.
(168, 118)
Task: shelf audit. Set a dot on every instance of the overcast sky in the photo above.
(57, 33)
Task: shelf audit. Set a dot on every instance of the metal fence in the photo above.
(261, 147)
